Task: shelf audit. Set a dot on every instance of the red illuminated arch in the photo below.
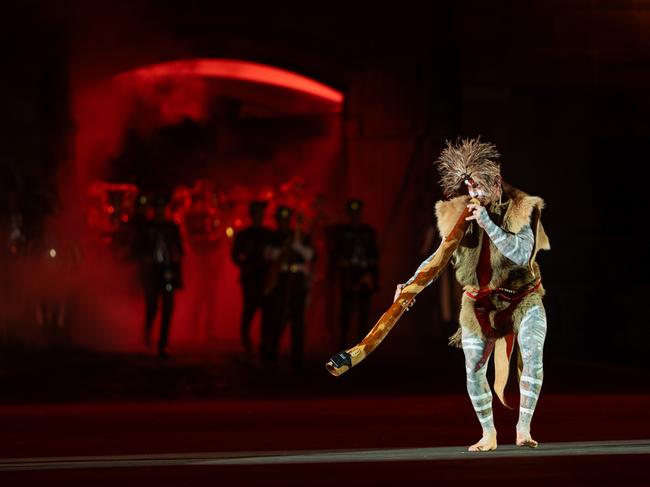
(248, 72)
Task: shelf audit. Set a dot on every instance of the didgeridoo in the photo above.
(427, 273)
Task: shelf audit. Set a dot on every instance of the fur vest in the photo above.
(511, 215)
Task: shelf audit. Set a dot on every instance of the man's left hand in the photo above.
(479, 214)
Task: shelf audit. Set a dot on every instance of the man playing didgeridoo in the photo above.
(495, 265)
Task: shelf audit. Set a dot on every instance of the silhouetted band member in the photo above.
(248, 253)
(286, 285)
(355, 257)
(159, 249)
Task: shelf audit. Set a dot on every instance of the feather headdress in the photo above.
(468, 159)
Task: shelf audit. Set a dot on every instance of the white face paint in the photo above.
(475, 191)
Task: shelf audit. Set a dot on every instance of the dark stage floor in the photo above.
(585, 440)
(77, 418)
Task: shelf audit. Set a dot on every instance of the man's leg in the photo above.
(271, 310)
(479, 389)
(151, 308)
(532, 332)
(167, 310)
(344, 320)
(297, 316)
(364, 313)
(251, 302)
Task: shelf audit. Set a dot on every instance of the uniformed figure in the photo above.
(355, 257)
(13, 250)
(290, 254)
(158, 247)
(248, 254)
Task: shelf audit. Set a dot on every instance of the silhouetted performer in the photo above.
(158, 247)
(59, 261)
(355, 257)
(13, 249)
(248, 253)
(286, 286)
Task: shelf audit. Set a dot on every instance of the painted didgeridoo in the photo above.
(428, 271)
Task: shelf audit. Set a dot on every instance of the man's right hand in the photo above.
(398, 290)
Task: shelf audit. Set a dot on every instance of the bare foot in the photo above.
(524, 439)
(487, 443)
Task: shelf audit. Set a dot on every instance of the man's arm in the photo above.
(420, 268)
(304, 248)
(518, 247)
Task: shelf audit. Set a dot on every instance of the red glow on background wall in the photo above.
(257, 155)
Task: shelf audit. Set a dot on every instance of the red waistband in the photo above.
(506, 294)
